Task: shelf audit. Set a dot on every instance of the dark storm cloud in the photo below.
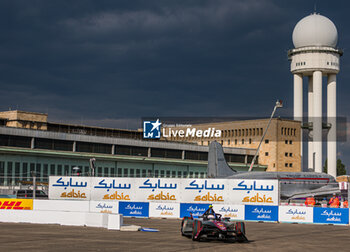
(123, 58)
(104, 60)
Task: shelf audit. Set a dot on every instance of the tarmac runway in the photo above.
(262, 236)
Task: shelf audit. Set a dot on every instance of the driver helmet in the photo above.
(211, 217)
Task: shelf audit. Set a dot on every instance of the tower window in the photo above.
(266, 153)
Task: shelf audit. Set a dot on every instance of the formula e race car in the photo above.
(213, 227)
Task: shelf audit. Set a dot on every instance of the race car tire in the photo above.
(240, 227)
(240, 232)
(182, 226)
(183, 223)
(197, 225)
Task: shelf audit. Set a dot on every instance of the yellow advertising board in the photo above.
(16, 204)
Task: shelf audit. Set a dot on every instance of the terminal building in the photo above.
(30, 143)
(280, 150)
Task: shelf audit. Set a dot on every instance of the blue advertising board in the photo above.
(134, 209)
(261, 213)
(196, 209)
(331, 215)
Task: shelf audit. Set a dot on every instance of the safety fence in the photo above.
(238, 199)
(287, 214)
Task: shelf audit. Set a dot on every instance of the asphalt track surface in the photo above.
(262, 236)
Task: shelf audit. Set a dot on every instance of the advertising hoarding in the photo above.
(164, 210)
(261, 213)
(16, 204)
(296, 214)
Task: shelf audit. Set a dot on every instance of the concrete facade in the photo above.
(280, 150)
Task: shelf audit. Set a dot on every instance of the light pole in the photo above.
(278, 105)
(92, 166)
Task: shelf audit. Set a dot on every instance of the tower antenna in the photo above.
(315, 7)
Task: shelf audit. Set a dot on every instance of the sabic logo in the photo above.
(151, 129)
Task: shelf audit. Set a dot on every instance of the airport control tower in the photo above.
(315, 56)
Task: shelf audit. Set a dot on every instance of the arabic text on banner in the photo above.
(296, 214)
(164, 210)
(331, 215)
(113, 189)
(72, 188)
(234, 212)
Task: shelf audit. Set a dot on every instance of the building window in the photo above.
(228, 142)
(179, 174)
(250, 140)
(286, 154)
(266, 141)
(286, 142)
(235, 141)
(242, 141)
(126, 172)
(266, 153)
(286, 164)
(291, 165)
(291, 154)
(290, 142)
(282, 131)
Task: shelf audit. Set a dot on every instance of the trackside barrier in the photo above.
(261, 213)
(76, 206)
(296, 214)
(331, 215)
(62, 205)
(164, 210)
(169, 190)
(16, 204)
(134, 209)
(63, 218)
(72, 212)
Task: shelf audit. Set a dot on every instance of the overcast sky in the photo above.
(100, 62)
